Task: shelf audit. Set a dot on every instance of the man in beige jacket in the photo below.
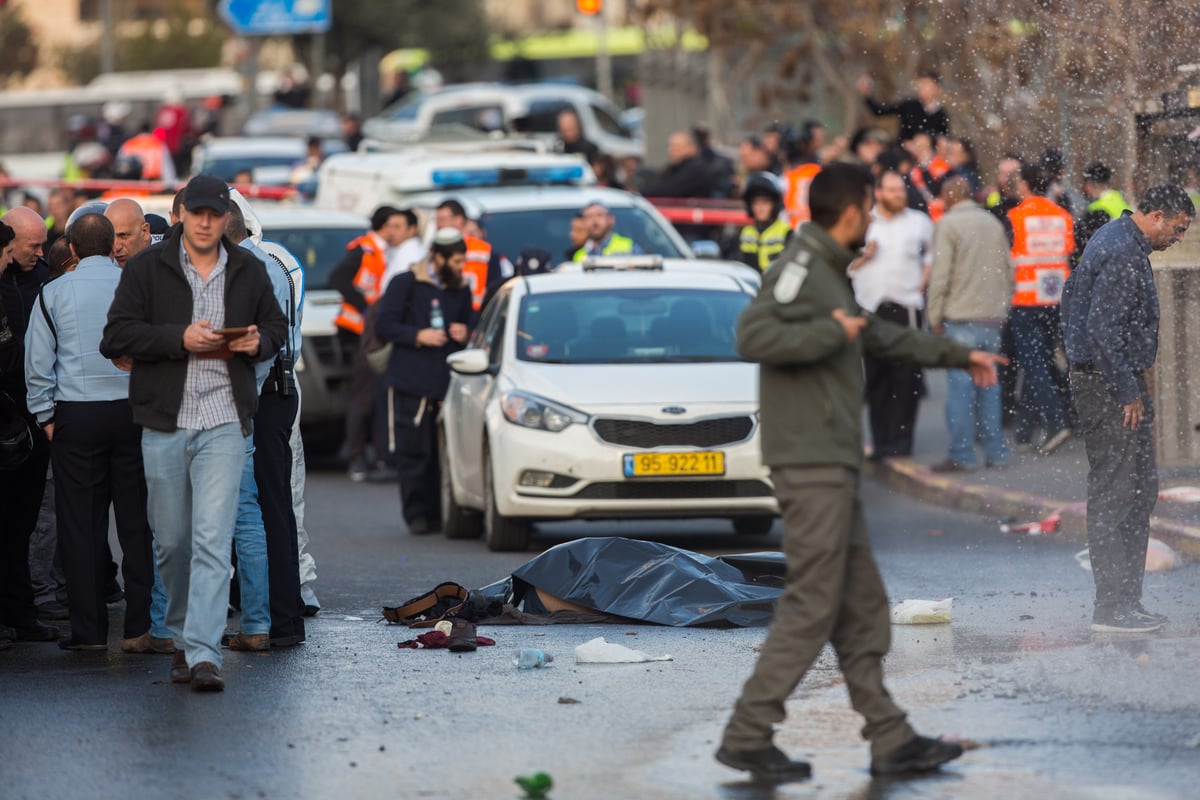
(970, 288)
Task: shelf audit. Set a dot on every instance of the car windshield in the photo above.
(629, 326)
(510, 232)
(318, 249)
(407, 109)
(227, 168)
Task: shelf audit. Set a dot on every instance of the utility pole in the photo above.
(108, 39)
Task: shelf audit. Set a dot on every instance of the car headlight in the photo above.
(531, 411)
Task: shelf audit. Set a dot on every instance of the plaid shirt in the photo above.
(207, 390)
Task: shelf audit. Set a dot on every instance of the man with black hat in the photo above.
(195, 315)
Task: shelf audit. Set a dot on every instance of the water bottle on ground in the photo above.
(531, 658)
(436, 320)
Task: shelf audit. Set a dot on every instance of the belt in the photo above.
(1084, 366)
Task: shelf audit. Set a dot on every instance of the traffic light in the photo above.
(589, 7)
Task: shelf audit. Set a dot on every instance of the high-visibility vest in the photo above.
(1043, 241)
(368, 280)
(148, 150)
(475, 270)
(795, 196)
(617, 245)
(1110, 202)
(764, 245)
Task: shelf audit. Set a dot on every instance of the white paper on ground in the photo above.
(922, 612)
(598, 651)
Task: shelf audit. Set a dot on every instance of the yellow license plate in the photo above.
(654, 465)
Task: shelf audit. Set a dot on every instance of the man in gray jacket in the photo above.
(970, 289)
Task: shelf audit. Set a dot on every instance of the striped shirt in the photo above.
(207, 390)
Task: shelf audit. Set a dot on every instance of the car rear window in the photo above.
(317, 249)
(510, 232)
(629, 326)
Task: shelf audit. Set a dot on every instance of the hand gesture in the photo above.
(853, 326)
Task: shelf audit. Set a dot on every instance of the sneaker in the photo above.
(1054, 441)
(922, 754)
(1141, 613)
(768, 764)
(357, 471)
(1124, 621)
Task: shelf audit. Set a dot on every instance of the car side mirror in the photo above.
(470, 362)
(706, 248)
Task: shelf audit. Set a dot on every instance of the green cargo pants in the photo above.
(833, 594)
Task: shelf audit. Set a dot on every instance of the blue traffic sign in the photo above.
(276, 17)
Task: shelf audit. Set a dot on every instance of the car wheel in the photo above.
(500, 532)
(457, 522)
(753, 526)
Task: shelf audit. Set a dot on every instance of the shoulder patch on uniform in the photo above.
(792, 278)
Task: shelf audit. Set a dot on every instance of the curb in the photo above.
(918, 481)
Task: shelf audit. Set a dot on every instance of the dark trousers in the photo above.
(97, 455)
(273, 474)
(833, 594)
(1122, 490)
(361, 419)
(20, 498)
(1036, 331)
(893, 392)
(417, 458)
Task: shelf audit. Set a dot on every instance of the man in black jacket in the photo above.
(921, 114)
(194, 313)
(426, 313)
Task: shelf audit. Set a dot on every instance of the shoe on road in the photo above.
(36, 632)
(148, 645)
(922, 754)
(1054, 441)
(71, 643)
(357, 471)
(179, 668)
(53, 610)
(769, 764)
(947, 466)
(206, 677)
(462, 636)
(311, 605)
(1125, 620)
(8, 637)
(248, 642)
(1140, 611)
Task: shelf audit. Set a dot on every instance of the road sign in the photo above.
(276, 17)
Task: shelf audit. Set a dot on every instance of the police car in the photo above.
(604, 390)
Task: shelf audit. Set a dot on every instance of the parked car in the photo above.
(269, 158)
(495, 107)
(296, 122)
(603, 390)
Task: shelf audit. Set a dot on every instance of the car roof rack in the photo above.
(626, 262)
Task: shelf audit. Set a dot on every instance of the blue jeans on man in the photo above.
(973, 413)
(250, 543)
(193, 478)
(1036, 331)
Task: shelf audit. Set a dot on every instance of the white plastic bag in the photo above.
(598, 651)
(922, 612)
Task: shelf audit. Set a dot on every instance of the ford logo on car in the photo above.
(674, 410)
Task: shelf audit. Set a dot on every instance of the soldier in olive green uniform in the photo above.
(809, 336)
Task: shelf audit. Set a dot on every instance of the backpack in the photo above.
(377, 351)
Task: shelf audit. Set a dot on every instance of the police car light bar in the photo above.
(646, 262)
(492, 176)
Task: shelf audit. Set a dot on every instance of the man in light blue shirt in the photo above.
(81, 400)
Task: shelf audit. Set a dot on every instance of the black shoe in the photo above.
(420, 527)
(36, 632)
(947, 466)
(1125, 620)
(71, 643)
(357, 471)
(53, 610)
(922, 754)
(114, 594)
(289, 640)
(1141, 613)
(8, 637)
(383, 474)
(768, 764)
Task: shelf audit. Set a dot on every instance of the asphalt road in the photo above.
(1060, 713)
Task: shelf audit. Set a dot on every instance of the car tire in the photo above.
(753, 526)
(457, 522)
(501, 533)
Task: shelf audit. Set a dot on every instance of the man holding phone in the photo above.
(194, 314)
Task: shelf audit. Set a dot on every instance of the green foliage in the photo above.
(454, 31)
(16, 43)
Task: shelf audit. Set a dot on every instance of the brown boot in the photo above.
(179, 668)
(249, 642)
(147, 644)
(206, 677)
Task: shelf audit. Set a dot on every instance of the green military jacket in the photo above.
(810, 377)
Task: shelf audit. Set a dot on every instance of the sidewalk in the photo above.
(1031, 488)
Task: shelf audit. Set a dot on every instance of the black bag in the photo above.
(16, 437)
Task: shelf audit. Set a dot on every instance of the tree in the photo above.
(453, 31)
(1018, 74)
(16, 43)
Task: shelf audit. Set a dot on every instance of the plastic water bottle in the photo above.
(531, 658)
(436, 320)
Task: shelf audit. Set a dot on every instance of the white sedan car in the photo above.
(606, 390)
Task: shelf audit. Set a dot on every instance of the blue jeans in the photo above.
(1035, 332)
(970, 410)
(192, 478)
(250, 542)
(158, 608)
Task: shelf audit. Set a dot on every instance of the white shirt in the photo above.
(400, 258)
(904, 247)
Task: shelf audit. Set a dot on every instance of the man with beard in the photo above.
(426, 312)
(808, 335)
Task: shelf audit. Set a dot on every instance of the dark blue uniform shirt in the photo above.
(1110, 307)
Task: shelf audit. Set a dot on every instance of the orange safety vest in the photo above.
(795, 197)
(367, 280)
(148, 150)
(475, 271)
(1043, 241)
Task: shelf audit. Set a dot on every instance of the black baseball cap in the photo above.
(206, 191)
